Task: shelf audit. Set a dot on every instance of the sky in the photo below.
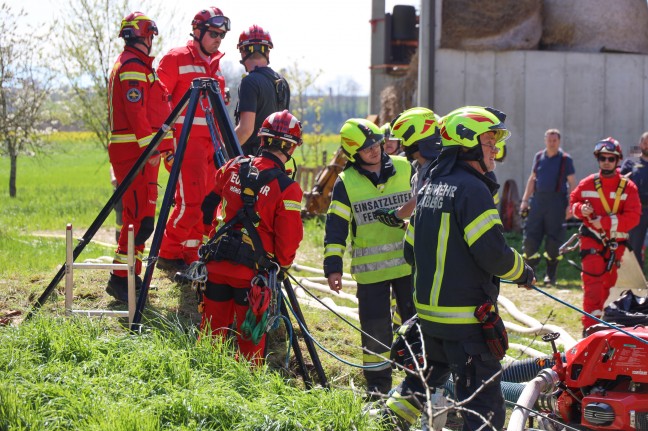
(331, 36)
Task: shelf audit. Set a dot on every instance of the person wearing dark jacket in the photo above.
(455, 239)
(371, 180)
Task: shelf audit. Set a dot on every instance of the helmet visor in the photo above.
(501, 134)
(219, 21)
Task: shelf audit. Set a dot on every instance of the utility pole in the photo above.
(426, 49)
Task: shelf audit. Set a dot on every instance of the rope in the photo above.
(616, 328)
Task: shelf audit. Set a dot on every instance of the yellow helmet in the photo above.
(462, 126)
(414, 125)
(357, 134)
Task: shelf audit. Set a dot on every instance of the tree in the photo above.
(24, 89)
(88, 44)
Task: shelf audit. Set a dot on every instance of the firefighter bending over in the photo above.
(257, 227)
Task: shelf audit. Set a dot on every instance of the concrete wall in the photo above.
(587, 96)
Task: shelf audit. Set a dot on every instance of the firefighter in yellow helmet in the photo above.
(456, 241)
(417, 129)
(370, 180)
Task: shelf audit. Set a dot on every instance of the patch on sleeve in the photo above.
(134, 95)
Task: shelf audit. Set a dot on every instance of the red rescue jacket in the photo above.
(278, 205)
(178, 68)
(138, 104)
(617, 223)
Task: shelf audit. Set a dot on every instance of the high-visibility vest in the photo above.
(377, 253)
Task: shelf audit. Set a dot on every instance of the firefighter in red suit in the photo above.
(138, 105)
(609, 206)
(278, 205)
(199, 58)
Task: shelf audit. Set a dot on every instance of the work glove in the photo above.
(528, 278)
(388, 217)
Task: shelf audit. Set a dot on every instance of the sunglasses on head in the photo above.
(607, 158)
(215, 34)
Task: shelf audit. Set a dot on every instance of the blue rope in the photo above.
(616, 328)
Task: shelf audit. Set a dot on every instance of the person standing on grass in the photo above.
(370, 180)
(638, 173)
(546, 198)
(456, 241)
(138, 105)
(199, 58)
(608, 204)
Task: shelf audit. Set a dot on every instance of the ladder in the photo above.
(70, 266)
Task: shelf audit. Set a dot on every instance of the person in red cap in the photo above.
(609, 206)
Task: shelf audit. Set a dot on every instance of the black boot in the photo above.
(550, 277)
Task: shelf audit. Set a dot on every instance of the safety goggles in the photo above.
(219, 21)
(215, 34)
(610, 159)
(608, 146)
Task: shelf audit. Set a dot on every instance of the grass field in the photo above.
(65, 373)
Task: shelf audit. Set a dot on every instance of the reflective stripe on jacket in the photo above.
(377, 253)
(458, 245)
(138, 104)
(178, 68)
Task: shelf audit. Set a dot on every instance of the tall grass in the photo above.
(63, 374)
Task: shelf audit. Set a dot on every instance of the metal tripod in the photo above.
(226, 147)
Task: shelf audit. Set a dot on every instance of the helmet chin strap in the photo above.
(203, 30)
(608, 172)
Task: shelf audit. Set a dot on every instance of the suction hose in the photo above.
(546, 381)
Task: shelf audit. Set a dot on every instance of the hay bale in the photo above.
(595, 26)
(491, 25)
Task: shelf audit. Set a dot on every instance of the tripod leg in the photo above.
(194, 93)
(296, 349)
(117, 195)
(309, 343)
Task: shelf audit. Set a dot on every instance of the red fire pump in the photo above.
(602, 385)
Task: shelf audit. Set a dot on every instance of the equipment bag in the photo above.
(628, 310)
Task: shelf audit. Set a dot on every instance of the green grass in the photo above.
(64, 374)
(80, 373)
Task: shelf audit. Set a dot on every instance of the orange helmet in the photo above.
(136, 25)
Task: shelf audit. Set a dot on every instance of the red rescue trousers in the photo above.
(230, 303)
(183, 235)
(597, 283)
(138, 203)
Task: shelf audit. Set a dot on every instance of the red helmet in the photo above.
(608, 145)
(137, 25)
(211, 17)
(254, 39)
(283, 126)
